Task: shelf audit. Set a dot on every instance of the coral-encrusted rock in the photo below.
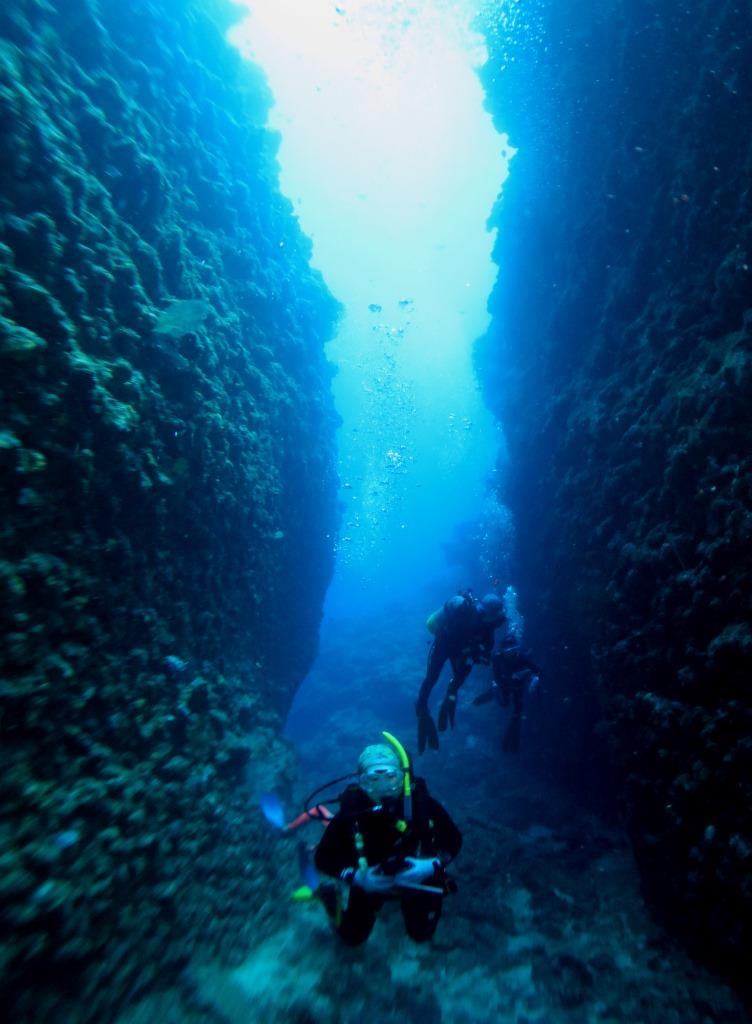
(166, 416)
(619, 362)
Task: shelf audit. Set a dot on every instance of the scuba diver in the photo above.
(464, 634)
(389, 840)
(514, 672)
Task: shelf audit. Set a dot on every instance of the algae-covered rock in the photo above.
(618, 362)
(159, 421)
(18, 342)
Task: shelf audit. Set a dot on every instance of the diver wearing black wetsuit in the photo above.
(380, 854)
(513, 668)
(464, 635)
(514, 672)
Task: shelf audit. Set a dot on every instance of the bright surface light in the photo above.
(393, 167)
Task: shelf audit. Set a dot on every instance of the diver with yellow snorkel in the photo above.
(389, 840)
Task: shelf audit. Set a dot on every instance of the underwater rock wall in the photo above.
(619, 363)
(168, 491)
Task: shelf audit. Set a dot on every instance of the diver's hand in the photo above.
(419, 870)
(370, 880)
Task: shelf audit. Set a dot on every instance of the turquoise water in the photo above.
(378, 108)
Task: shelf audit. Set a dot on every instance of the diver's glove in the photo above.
(424, 874)
(419, 870)
(370, 880)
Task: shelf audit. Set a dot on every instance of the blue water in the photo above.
(376, 110)
(398, 220)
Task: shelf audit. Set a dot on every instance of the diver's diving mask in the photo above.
(381, 781)
(380, 773)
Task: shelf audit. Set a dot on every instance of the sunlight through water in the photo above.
(393, 167)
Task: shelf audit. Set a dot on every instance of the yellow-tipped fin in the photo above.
(303, 894)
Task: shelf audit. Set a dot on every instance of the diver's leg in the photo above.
(501, 678)
(426, 728)
(493, 692)
(517, 690)
(460, 671)
(510, 743)
(421, 914)
(437, 655)
(356, 921)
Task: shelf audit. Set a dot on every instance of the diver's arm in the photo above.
(481, 643)
(487, 641)
(521, 661)
(336, 850)
(497, 664)
(448, 836)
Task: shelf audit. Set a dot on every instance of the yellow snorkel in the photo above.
(405, 762)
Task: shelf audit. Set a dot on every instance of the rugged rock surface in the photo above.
(167, 488)
(619, 362)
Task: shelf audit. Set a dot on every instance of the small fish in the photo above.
(271, 807)
(63, 840)
(174, 664)
(374, 307)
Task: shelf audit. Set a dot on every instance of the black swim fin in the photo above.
(486, 696)
(427, 733)
(447, 712)
(511, 742)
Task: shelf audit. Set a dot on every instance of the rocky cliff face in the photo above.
(619, 362)
(168, 489)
